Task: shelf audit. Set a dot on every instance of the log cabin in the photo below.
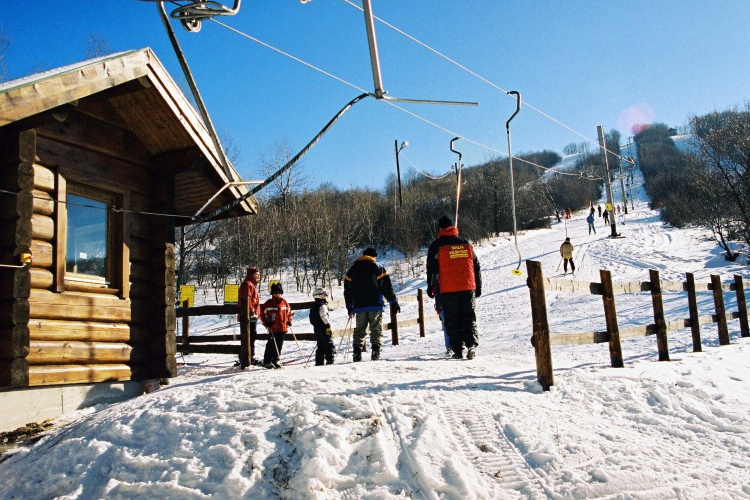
(100, 162)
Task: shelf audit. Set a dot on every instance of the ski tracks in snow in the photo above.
(477, 457)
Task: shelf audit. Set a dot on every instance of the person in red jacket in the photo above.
(276, 315)
(451, 259)
(248, 293)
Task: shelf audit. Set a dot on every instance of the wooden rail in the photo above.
(187, 343)
(542, 339)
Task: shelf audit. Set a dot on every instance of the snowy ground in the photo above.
(418, 425)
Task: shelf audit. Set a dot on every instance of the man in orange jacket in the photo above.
(451, 259)
(248, 293)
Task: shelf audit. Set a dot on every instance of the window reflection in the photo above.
(86, 251)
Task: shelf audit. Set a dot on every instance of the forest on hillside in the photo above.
(317, 232)
(709, 184)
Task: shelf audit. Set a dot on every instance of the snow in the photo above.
(420, 425)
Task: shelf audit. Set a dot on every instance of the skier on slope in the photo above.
(566, 251)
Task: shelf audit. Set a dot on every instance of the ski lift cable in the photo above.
(422, 172)
(387, 100)
(210, 215)
(481, 78)
(390, 102)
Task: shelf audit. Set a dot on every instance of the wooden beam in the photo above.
(46, 352)
(78, 374)
(74, 306)
(82, 331)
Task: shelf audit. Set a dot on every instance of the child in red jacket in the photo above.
(276, 315)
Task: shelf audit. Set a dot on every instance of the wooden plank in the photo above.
(42, 227)
(41, 278)
(77, 374)
(661, 327)
(83, 331)
(61, 229)
(741, 306)
(720, 311)
(610, 315)
(695, 328)
(53, 91)
(560, 285)
(78, 306)
(45, 352)
(540, 338)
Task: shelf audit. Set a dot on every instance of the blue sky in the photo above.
(582, 63)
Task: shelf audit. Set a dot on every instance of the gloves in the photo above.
(329, 332)
(253, 318)
(431, 292)
(478, 292)
(396, 307)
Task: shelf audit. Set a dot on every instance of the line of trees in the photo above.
(316, 233)
(709, 184)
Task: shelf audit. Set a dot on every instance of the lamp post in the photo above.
(398, 169)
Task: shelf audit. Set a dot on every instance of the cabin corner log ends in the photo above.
(542, 339)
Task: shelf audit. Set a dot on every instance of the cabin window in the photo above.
(88, 252)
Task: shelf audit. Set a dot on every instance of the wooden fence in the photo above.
(198, 344)
(543, 340)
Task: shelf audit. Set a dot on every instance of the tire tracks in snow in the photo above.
(484, 444)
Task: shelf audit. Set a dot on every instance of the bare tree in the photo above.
(4, 45)
(97, 46)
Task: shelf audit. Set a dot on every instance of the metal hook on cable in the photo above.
(458, 179)
(517, 270)
(192, 14)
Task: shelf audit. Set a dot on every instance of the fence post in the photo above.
(741, 305)
(540, 325)
(610, 315)
(394, 326)
(721, 315)
(659, 322)
(244, 303)
(420, 300)
(185, 323)
(695, 326)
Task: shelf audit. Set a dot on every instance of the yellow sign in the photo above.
(231, 293)
(272, 283)
(187, 292)
(609, 207)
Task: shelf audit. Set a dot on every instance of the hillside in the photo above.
(419, 425)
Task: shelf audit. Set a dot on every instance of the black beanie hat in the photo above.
(276, 288)
(444, 222)
(370, 252)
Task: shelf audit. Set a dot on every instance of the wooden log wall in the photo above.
(54, 331)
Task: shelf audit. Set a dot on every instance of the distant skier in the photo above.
(590, 220)
(325, 352)
(605, 214)
(599, 208)
(566, 251)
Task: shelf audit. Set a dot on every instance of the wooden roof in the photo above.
(133, 93)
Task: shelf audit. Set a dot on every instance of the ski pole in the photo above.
(344, 334)
(291, 330)
(558, 265)
(273, 337)
(310, 356)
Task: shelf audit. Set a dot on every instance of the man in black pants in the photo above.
(451, 259)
